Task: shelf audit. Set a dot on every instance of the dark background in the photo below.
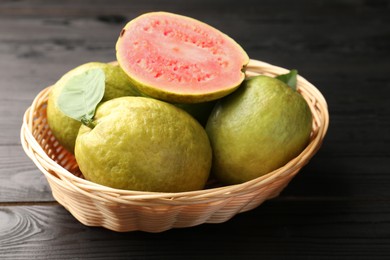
(337, 207)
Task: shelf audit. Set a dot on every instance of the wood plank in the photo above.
(283, 229)
(354, 177)
(20, 179)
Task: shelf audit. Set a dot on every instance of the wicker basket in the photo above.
(123, 210)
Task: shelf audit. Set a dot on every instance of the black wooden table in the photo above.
(338, 206)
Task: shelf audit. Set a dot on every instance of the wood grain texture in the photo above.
(20, 181)
(282, 230)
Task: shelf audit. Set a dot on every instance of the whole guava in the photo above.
(144, 144)
(257, 129)
(200, 111)
(64, 128)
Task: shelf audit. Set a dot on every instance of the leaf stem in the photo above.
(88, 122)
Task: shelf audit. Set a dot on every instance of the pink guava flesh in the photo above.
(180, 55)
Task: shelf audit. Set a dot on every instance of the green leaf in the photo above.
(81, 94)
(289, 78)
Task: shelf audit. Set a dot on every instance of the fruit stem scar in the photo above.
(88, 122)
(122, 32)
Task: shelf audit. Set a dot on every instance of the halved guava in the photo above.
(179, 59)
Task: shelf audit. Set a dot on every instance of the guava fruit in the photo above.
(179, 59)
(144, 144)
(65, 128)
(257, 129)
(200, 111)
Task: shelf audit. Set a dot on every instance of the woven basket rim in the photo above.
(39, 156)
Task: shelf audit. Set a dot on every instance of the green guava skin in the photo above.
(64, 128)
(144, 144)
(200, 111)
(257, 129)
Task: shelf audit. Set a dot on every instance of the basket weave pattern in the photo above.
(123, 210)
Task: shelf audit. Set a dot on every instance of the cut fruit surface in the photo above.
(180, 59)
